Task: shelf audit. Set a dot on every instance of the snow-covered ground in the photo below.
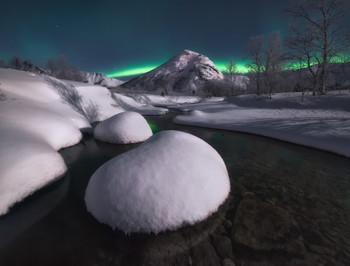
(321, 122)
(138, 103)
(163, 101)
(38, 116)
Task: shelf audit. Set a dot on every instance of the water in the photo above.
(288, 205)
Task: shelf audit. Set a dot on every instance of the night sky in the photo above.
(115, 36)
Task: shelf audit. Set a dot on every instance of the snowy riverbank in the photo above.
(40, 115)
(321, 122)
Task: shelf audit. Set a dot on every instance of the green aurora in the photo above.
(220, 64)
(141, 69)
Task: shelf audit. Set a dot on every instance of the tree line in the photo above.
(318, 39)
(58, 68)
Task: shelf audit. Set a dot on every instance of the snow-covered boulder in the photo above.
(171, 180)
(123, 128)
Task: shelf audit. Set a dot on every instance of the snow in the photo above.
(138, 104)
(187, 71)
(171, 101)
(321, 122)
(170, 180)
(101, 79)
(123, 128)
(38, 116)
(98, 101)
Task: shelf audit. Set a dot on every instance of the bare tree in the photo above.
(254, 54)
(2, 63)
(52, 66)
(302, 54)
(317, 35)
(273, 62)
(231, 69)
(16, 63)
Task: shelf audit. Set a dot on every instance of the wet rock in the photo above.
(264, 227)
(220, 230)
(223, 246)
(227, 262)
(227, 224)
(204, 255)
(320, 249)
(247, 194)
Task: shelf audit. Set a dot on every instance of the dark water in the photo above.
(289, 205)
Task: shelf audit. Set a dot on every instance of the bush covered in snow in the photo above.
(172, 179)
(123, 128)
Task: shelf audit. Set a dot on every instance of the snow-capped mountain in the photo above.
(100, 79)
(187, 71)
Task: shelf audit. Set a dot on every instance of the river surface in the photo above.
(288, 205)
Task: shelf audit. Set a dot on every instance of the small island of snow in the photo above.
(123, 128)
(170, 180)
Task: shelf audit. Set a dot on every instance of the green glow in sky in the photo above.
(220, 64)
(241, 66)
(138, 70)
(131, 71)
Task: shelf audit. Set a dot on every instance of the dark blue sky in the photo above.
(116, 35)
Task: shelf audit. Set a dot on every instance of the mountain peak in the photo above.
(186, 71)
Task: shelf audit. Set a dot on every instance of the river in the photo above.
(288, 205)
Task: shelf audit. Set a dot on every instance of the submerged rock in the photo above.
(171, 180)
(264, 227)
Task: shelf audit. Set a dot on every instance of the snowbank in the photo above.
(123, 128)
(100, 79)
(38, 116)
(137, 104)
(169, 101)
(172, 179)
(321, 122)
(97, 101)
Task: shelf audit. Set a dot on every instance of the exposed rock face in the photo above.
(186, 72)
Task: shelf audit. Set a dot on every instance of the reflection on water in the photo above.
(288, 205)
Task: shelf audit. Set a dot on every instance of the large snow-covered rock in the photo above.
(186, 72)
(123, 128)
(171, 180)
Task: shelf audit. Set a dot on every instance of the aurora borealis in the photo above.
(137, 70)
(126, 38)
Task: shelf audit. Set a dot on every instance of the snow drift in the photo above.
(123, 128)
(38, 116)
(170, 180)
(100, 79)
